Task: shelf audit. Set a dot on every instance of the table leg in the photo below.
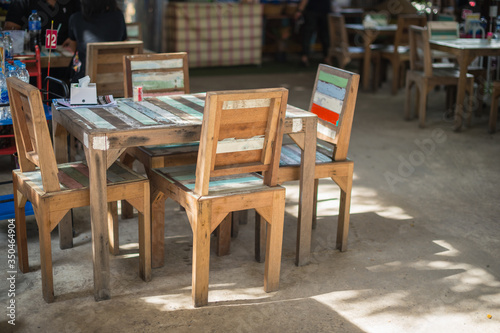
(306, 200)
(98, 214)
(463, 63)
(368, 38)
(65, 226)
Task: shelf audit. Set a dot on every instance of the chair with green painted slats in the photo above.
(333, 101)
(158, 74)
(241, 135)
(55, 189)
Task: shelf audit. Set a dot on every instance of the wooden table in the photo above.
(465, 50)
(107, 131)
(369, 35)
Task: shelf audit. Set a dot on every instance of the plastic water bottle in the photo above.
(35, 28)
(23, 74)
(7, 45)
(4, 95)
(11, 71)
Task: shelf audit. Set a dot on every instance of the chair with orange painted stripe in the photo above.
(241, 135)
(55, 189)
(333, 100)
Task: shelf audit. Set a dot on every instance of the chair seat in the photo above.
(172, 149)
(401, 49)
(75, 176)
(435, 54)
(291, 154)
(185, 177)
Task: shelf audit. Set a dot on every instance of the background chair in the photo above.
(156, 73)
(398, 54)
(333, 100)
(105, 65)
(134, 31)
(55, 189)
(425, 77)
(165, 73)
(344, 53)
(241, 135)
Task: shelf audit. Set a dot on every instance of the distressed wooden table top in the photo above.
(132, 123)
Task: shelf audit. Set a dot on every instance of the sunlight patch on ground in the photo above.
(216, 293)
(363, 200)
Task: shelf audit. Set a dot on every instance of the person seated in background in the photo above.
(57, 11)
(98, 21)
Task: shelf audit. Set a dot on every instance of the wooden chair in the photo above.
(105, 65)
(134, 31)
(398, 54)
(495, 94)
(55, 189)
(241, 135)
(425, 77)
(333, 100)
(344, 53)
(156, 73)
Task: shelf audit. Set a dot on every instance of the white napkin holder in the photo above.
(83, 95)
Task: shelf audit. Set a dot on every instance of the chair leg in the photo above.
(224, 236)
(114, 244)
(315, 203)
(422, 105)
(274, 243)
(158, 229)
(144, 219)
(344, 212)
(45, 255)
(395, 77)
(201, 253)
(260, 237)
(492, 124)
(21, 237)
(408, 97)
(127, 209)
(471, 103)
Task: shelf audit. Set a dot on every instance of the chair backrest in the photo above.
(105, 65)
(333, 101)
(404, 21)
(420, 50)
(33, 143)
(242, 132)
(156, 73)
(339, 41)
(443, 30)
(134, 31)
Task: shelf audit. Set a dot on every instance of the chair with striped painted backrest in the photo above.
(55, 189)
(158, 74)
(333, 100)
(134, 31)
(442, 30)
(241, 135)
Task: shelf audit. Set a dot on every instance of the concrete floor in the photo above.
(423, 251)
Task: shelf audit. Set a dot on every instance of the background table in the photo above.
(107, 131)
(369, 35)
(465, 50)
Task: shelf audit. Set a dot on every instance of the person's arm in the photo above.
(69, 45)
(300, 8)
(11, 26)
(17, 15)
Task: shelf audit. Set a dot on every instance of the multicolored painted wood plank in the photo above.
(328, 97)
